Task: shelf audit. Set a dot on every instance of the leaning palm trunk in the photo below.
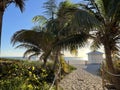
(55, 68)
(44, 63)
(1, 18)
(46, 57)
(56, 61)
(110, 65)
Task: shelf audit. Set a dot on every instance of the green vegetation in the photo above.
(25, 75)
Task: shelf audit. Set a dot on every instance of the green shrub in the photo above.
(24, 75)
(27, 75)
(11, 84)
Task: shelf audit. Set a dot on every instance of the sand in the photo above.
(84, 78)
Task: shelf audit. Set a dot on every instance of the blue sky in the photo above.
(14, 20)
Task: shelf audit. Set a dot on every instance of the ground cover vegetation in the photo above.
(26, 75)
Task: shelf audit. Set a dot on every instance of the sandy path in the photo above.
(81, 79)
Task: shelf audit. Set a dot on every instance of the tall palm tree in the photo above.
(4, 4)
(97, 20)
(50, 24)
(44, 42)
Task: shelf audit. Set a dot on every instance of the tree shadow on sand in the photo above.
(93, 69)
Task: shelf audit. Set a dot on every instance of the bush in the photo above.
(28, 75)
(24, 75)
(11, 84)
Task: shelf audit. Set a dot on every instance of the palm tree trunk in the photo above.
(109, 61)
(1, 18)
(44, 63)
(55, 68)
(46, 57)
(56, 60)
(110, 65)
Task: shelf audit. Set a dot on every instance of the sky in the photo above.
(14, 20)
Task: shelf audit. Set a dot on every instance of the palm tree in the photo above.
(36, 41)
(44, 41)
(4, 4)
(50, 24)
(97, 20)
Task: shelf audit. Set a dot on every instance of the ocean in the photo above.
(75, 58)
(16, 58)
(66, 58)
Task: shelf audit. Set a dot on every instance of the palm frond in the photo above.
(83, 19)
(31, 51)
(40, 20)
(65, 7)
(27, 46)
(26, 36)
(20, 4)
(76, 40)
(108, 8)
(35, 54)
(53, 26)
(96, 44)
(93, 10)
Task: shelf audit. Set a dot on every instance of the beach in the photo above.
(85, 77)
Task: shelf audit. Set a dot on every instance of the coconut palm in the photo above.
(50, 23)
(44, 42)
(55, 27)
(37, 42)
(97, 20)
(4, 4)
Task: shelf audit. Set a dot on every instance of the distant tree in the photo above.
(51, 8)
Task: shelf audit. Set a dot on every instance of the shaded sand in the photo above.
(84, 78)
